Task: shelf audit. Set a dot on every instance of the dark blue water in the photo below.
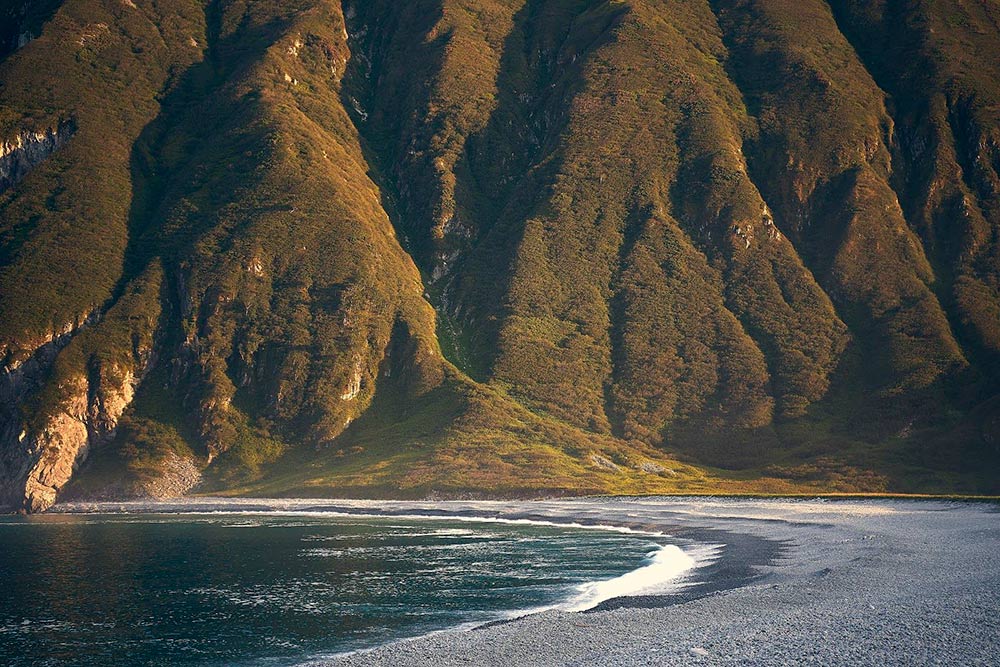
(273, 589)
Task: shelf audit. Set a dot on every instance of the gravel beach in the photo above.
(824, 582)
(867, 582)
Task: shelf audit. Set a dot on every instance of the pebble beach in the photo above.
(853, 582)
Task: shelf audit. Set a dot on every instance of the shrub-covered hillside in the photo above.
(498, 247)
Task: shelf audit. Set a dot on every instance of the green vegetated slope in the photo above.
(499, 247)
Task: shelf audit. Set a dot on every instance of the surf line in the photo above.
(668, 565)
(659, 572)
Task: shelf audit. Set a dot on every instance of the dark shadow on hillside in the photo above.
(377, 110)
(506, 169)
(23, 20)
(170, 162)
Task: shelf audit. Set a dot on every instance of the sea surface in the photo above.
(282, 589)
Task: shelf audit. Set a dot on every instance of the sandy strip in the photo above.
(858, 583)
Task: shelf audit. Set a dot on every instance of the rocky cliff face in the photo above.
(499, 247)
(20, 154)
(19, 380)
(86, 417)
(90, 385)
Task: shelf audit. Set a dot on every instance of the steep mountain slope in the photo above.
(498, 247)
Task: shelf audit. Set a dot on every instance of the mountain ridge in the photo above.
(499, 247)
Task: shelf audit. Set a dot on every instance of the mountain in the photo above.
(498, 247)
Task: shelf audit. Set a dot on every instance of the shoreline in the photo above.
(721, 558)
(76, 503)
(835, 582)
(857, 582)
(704, 555)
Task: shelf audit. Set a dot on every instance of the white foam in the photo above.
(664, 570)
(661, 567)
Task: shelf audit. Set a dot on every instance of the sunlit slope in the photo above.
(499, 247)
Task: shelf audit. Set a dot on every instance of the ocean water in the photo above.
(281, 589)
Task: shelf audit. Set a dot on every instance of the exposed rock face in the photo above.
(90, 386)
(27, 149)
(21, 378)
(85, 417)
(57, 447)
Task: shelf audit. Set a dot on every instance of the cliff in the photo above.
(499, 248)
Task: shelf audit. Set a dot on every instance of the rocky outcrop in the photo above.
(86, 417)
(92, 382)
(61, 442)
(21, 376)
(28, 149)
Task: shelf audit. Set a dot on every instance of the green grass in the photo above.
(467, 250)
